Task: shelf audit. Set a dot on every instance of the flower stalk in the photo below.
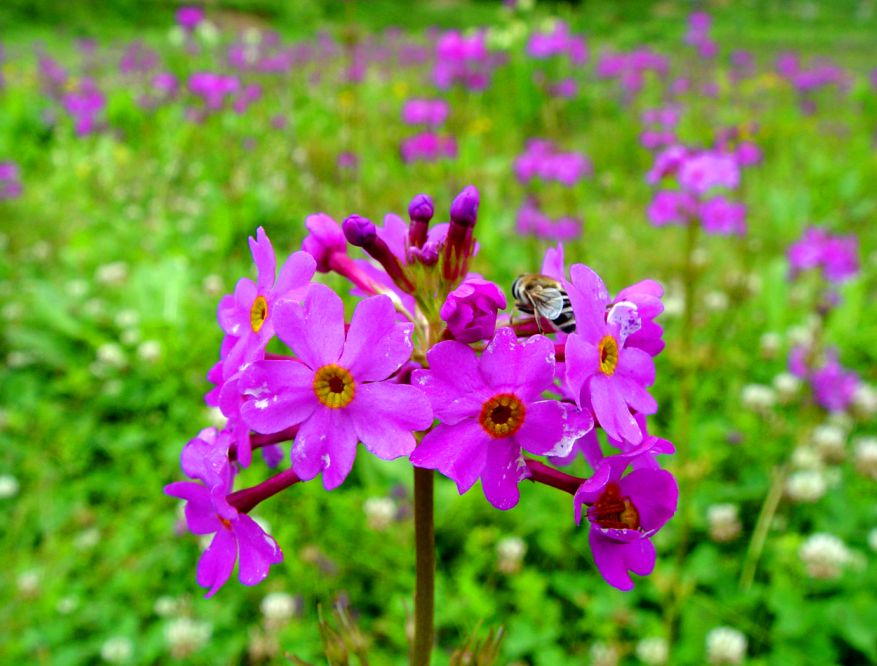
(424, 593)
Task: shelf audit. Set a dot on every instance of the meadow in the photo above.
(727, 153)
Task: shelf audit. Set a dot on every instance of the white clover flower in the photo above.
(112, 355)
(87, 539)
(166, 606)
(806, 457)
(865, 456)
(603, 654)
(840, 420)
(787, 387)
(185, 636)
(127, 318)
(29, 582)
(716, 301)
(212, 284)
(510, 551)
(67, 605)
(725, 645)
(724, 522)
(757, 397)
(829, 441)
(653, 651)
(379, 512)
(8, 486)
(149, 351)
(114, 273)
(824, 556)
(129, 337)
(865, 400)
(277, 607)
(770, 344)
(116, 650)
(807, 485)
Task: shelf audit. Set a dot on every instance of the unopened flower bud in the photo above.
(458, 247)
(362, 232)
(464, 209)
(359, 231)
(420, 210)
(470, 310)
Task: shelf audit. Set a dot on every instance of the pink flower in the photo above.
(723, 217)
(671, 207)
(337, 388)
(704, 171)
(490, 410)
(470, 310)
(603, 372)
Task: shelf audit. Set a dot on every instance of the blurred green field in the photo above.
(116, 254)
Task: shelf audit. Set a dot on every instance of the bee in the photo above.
(544, 298)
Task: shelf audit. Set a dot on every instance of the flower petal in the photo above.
(263, 257)
(217, 562)
(200, 514)
(452, 384)
(325, 442)
(637, 365)
(280, 395)
(314, 331)
(458, 451)
(588, 297)
(258, 550)
(551, 428)
(525, 367)
(377, 345)
(582, 361)
(654, 493)
(615, 558)
(611, 410)
(295, 274)
(384, 416)
(504, 468)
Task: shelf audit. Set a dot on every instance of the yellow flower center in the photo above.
(258, 313)
(334, 386)
(502, 415)
(608, 355)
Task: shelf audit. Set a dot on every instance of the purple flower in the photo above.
(671, 207)
(189, 17)
(667, 163)
(837, 256)
(602, 371)
(723, 217)
(10, 181)
(645, 296)
(833, 385)
(247, 314)
(324, 239)
(432, 112)
(703, 171)
(624, 512)
(208, 512)
(428, 147)
(490, 409)
(337, 387)
(470, 310)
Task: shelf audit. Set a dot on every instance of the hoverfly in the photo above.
(544, 298)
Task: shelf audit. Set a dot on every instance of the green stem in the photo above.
(424, 593)
(762, 527)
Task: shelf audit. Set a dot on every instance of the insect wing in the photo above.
(549, 302)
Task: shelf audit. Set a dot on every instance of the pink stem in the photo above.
(542, 473)
(244, 500)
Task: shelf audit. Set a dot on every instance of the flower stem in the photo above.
(424, 593)
(762, 527)
(244, 500)
(542, 473)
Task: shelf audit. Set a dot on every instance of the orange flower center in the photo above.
(258, 313)
(613, 511)
(502, 415)
(608, 355)
(334, 386)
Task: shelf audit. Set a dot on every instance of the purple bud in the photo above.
(464, 209)
(470, 310)
(421, 208)
(359, 231)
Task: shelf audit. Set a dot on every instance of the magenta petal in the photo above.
(637, 365)
(552, 264)
(263, 257)
(551, 428)
(611, 410)
(258, 550)
(588, 297)
(315, 331)
(503, 469)
(217, 562)
(384, 416)
(199, 511)
(280, 395)
(245, 292)
(615, 558)
(526, 367)
(453, 384)
(582, 361)
(325, 442)
(654, 493)
(295, 274)
(636, 396)
(376, 344)
(458, 451)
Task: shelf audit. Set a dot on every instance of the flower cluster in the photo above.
(428, 368)
(463, 60)
(698, 174)
(698, 35)
(659, 127)
(630, 69)
(837, 257)
(427, 146)
(541, 159)
(10, 180)
(531, 221)
(85, 105)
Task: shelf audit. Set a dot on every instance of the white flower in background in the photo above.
(652, 651)
(758, 398)
(12, 311)
(207, 32)
(725, 645)
(166, 606)
(770, 344)
(29, 583)
(176, 36)
(114, 273)
(129, 337)
(840, 420)
(149, 351)
(787, 387)
(830, 441)
(800, 335)
(510, 551)
(866, 457)
(806, 457)
(212, 284)
(824, 556)
(603, 654)
(724, 522)
(807, 485)
(116, 650)
(379, 512)
(127, 318)
(8, 486)
(865, 400)
(185, 635)
(111, 354)
(87, 539)
(77, 288)
(716, 301)
(67, 605)
(277, 607)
